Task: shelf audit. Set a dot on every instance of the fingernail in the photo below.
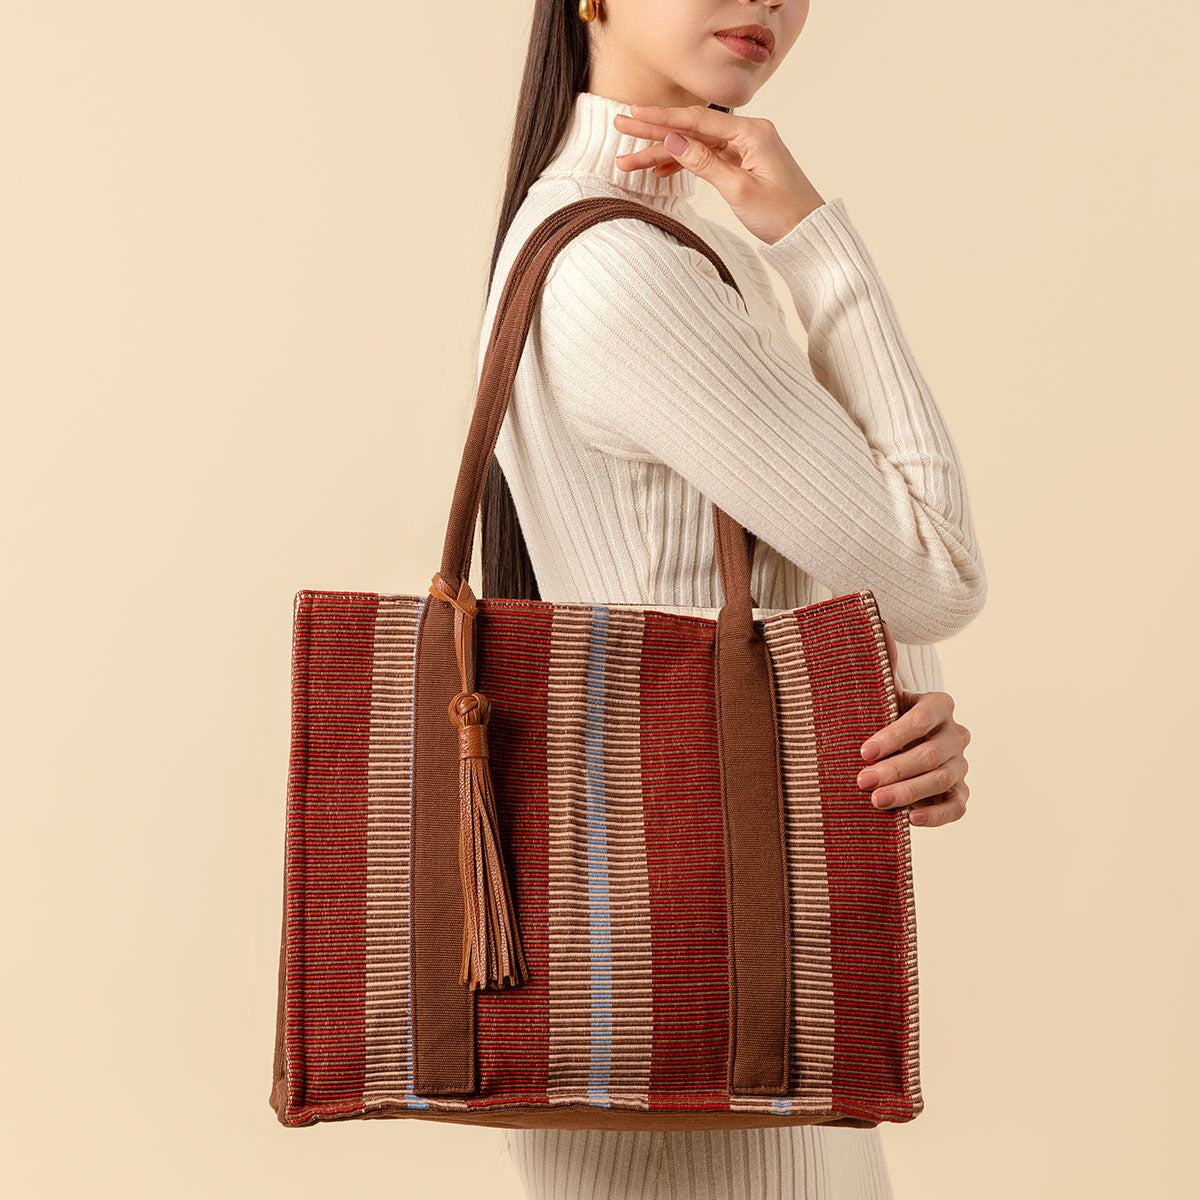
(881, 801)
(679, 145)
(870, 751)
(918, 818)
(868, 779)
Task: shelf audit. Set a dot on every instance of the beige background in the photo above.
(244, 251)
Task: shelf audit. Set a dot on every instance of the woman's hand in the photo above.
(928, 776)
(744, 158)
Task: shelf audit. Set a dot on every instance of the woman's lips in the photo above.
(744, 46)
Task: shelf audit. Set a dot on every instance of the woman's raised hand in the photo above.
(744, 158)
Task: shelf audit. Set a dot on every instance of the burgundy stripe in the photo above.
(685, 856)
(327, 836)
(512, 1024)
(866, 907)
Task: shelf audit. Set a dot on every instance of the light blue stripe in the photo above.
(599, 909)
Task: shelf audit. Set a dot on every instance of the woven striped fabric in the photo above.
(605, 761)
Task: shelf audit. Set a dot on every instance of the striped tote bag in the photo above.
(590, 865)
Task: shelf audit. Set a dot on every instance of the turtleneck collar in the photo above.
(591, 143)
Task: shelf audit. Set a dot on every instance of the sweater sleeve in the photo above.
(843, 463)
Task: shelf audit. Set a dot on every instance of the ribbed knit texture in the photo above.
(803, 1162)
(648, 389)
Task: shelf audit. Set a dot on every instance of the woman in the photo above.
(647, 390)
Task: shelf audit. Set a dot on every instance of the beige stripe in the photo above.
(912, 1047)
(389, 775)
(628, 877)
(567, 886)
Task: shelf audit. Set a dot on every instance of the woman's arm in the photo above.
(858, 351)
(844, 465)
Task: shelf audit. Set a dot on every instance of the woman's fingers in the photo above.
(709, 152)
(928, 711)
(744, 158)
(921, 764)
(941, 810)
(658, 153)
(910, 789)
(933, 753)
(652, 156)
(695, 120)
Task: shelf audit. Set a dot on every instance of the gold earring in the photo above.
(587, 10)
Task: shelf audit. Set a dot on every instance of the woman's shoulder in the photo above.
(631, 269)
(637, 256)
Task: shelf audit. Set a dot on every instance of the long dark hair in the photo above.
(556, 69)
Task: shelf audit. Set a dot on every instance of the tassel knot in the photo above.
(492, 955)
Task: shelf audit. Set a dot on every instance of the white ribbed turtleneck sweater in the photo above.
(647, 390)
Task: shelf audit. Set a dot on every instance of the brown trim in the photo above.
(755, 833)
(592, 1116)
(443, 1008)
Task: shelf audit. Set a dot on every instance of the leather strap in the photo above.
(444, 1010)
(510, 327)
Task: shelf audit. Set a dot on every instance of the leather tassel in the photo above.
(492, 954)
(491, 950)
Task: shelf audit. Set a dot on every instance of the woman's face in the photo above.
(668, 52)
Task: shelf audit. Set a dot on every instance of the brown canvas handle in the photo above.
(747, 731)
(510, 327)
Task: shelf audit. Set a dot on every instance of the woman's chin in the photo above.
(731, 86)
